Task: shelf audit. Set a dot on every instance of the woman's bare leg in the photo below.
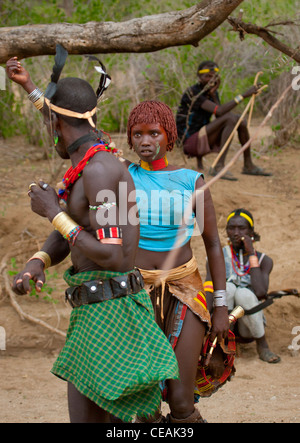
(188, 348)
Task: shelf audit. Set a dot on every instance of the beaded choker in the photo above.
(155, 165)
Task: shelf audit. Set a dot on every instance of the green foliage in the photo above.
(120, 10)
(25, 12)
(48, 286)
(163, 75)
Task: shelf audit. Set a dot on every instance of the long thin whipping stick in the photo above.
(253, 100)
(231, 135)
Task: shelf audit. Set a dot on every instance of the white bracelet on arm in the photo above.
(238, 99)
(220, 298)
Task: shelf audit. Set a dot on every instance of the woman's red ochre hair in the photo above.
(152, 111)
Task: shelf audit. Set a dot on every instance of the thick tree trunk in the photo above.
(146, 34)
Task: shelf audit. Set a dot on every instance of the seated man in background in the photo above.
(198, 134)
(247, 279)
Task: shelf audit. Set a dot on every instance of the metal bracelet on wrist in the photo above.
(220, 298)
(35, 95)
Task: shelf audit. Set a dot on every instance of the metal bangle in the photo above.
(220, 298)
(39, 103)
(64, 224)
(238, 99)
(35, 95)
(43, 256)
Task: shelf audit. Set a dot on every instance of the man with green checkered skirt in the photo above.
(115, 356)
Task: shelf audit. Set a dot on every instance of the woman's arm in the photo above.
(210, 235)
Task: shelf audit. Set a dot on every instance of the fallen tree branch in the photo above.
(145, 34)
(284, 23)
(249, 28)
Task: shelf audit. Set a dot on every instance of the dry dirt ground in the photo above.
(260, 392)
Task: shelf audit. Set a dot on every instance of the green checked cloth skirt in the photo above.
(115, 354)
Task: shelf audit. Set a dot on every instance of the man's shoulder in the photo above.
(105, 158)
(106, 164)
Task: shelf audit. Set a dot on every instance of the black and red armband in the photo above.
(112, 235)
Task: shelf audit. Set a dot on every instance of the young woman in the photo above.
(164, 192)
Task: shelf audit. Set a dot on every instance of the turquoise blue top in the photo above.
(162, 197)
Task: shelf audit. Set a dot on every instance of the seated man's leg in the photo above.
(250, 326)
(218, 132)
(211, 138)
(221, 128)
(230, 290)
(244, 136)
(249, 166)
(197, 146)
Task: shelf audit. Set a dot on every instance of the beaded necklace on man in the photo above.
(73, 174)
(236, 264)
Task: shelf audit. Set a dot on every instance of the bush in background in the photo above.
(162, 75)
